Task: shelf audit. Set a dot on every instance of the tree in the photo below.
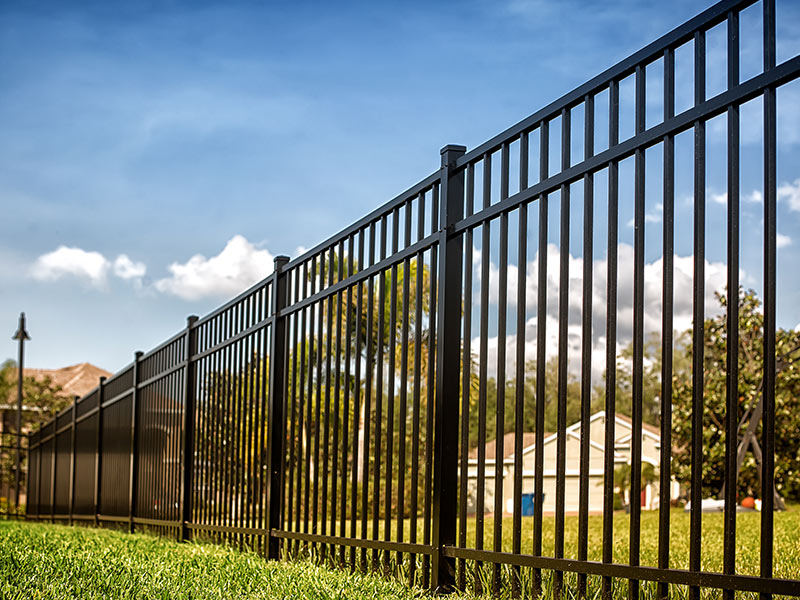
(573, 404)
(651, 374)
(42, 399)
(750, 361)
(622, 478)
(40, 394)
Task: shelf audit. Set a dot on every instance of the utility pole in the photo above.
(22, 336)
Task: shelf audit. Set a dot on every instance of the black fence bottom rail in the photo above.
(744, 583)
(354, 542)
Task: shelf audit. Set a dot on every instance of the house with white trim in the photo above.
(651, 448)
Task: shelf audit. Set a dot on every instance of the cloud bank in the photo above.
(238, 266)
(715, 281)
(87, 266)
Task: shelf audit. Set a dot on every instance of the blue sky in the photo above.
(149, 150)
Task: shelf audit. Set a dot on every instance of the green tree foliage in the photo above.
(787, 403)
(573, 404)
(651, 375)
(622, 478)
(230, 428)
(42, 395)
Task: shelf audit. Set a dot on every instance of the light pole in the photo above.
(22, 336)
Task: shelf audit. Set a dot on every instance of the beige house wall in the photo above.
(622, 426)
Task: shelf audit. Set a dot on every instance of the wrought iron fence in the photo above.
(342, 405)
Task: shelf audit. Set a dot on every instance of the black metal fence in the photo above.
(329, 408)
(12, 501)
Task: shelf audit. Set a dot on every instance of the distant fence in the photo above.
(12, 502)
(328, 408)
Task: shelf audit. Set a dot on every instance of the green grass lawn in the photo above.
(55, 561)
(786, 562)
(748, 536)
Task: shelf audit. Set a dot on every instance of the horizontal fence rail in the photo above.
(424, 394)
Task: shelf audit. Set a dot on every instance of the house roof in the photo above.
(646, 426)
(75, 380)
(528, 439)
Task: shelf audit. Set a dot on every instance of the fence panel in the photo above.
(63, 446)
(46, 480)
(358, 391)
(159, 435)
(85, 454)
(229, 458)
(115, 477)
(33, 475)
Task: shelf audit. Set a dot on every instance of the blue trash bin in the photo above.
(527, 505)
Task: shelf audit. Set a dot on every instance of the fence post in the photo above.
(39, 477)
(28, 479)
(53, 476)
(137, 357)
(445, 449)
(187, 452)
(98, 455)
(275, 417)
(71, 464)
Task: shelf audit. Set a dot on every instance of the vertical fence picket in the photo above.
(586, 342)
(611, 338)
(770, 284)
(98, 457)
(667, 298)
(71, 497)
(189, 410)
(732, 326)
(698, 313)
(133, 480)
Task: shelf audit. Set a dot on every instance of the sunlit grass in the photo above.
(748, 537)
(786, 548)
(56, 561)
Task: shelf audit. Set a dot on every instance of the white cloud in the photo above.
(783, 240)
(648, 218)
(715, 280)
(91, 267)
(651, 217)
(125, 268)
(755, 197)
(787, 192)
(790, 192)
(239, 265)
(719, 198)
